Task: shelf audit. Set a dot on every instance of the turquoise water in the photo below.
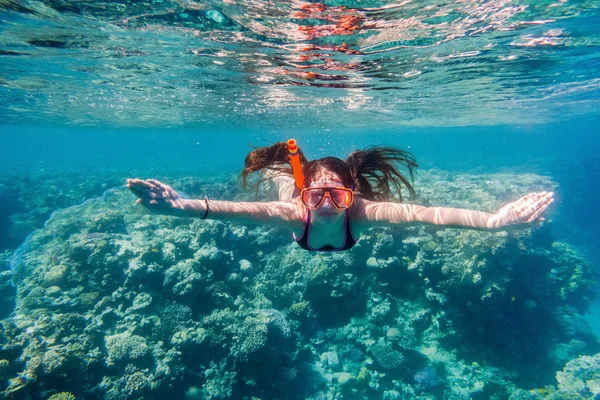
(102, 300)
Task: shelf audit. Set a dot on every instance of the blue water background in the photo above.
(569, 152)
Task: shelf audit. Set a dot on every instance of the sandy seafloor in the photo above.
(112, 302)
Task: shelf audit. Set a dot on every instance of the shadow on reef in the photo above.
(115, 303)
(535, 318)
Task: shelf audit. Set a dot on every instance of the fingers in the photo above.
(143, 192)
(538, 212)
(156, 183)
(528, 208)
(152, 193)
(542, 199)
(135, 182)
(523, 201)
(146, 184)
(532, 199)
(542, 202)
(161, 186)
(536, 215)
(535, 196)
(150, 188)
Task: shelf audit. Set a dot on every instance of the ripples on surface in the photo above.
(298, 64)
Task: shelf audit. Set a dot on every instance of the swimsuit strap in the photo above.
(349, 240)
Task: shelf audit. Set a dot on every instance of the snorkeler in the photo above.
(327, 203)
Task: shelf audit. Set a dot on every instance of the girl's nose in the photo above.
(327, 202)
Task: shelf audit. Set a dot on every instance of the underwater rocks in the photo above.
(115, 303)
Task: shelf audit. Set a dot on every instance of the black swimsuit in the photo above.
(349, 240)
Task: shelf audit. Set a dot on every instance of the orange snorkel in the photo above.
(295, 161)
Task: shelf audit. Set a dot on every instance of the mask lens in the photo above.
(341, 198)
(313, 197)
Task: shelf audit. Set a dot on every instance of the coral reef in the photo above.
(115, 303)
(580, 379)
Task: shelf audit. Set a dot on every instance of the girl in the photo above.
(338, 201)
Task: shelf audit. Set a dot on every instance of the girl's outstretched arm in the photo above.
(525, 210)
(163, 199)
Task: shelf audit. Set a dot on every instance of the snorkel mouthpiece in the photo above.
(295, 161)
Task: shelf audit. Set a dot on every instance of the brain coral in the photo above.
(385, 356)
(124, 347)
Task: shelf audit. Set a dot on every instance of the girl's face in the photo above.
(326, 213)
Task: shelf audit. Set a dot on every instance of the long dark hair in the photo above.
(371, 172)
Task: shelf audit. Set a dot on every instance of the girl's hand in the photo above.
(156, 196)
(525, 210)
